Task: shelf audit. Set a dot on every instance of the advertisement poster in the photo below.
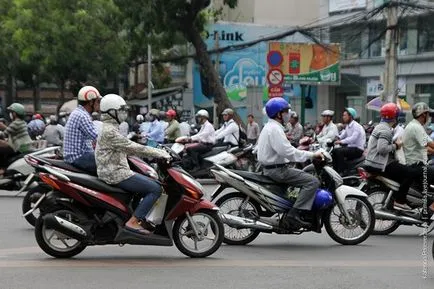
(240, 69)
(308, 63)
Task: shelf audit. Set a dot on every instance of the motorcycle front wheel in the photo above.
(200, 235)
(354, 231)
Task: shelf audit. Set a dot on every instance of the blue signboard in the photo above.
(247, 67)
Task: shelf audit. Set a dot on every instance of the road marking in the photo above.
(194, 263)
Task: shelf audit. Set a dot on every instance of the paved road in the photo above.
(272, 261)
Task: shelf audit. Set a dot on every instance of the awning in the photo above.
(156, 96)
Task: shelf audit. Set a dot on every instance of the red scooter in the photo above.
(82, 211)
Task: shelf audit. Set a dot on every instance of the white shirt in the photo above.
(206, 134)
(398, 133)
(124, 128)
(329, 132)
(229, 132)
(274, 147)
(184, 128)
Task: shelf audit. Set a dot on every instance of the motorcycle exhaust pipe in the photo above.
(243, 223)
(389, 216)
(65, 227)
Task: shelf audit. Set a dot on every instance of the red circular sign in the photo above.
(274, 58)
(275, 77)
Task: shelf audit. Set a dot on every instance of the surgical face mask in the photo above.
(286, 117)
(122, 115)
(11, 116)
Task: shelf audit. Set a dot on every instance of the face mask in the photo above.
(11, 116)
(122, 115)
(286, 117)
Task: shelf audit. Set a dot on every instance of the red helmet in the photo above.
(171, 113)
(37, 116)
(389, 111)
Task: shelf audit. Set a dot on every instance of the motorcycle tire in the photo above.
(216, 227)
(29, 200)
(41, 238)
(378, 230)
(353, 241)
(254, 233)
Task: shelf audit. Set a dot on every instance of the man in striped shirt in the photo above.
(80, 132)
(19, 140)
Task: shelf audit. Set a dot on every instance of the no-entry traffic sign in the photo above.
(275, 77)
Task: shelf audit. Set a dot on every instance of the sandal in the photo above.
(399, 206)
(141, 231)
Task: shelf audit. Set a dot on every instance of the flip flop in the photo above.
(141, 231)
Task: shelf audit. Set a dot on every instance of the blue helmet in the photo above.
(322, 200)
(351, 111)
(276, 105)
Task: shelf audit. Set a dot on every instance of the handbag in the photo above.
(156, 214)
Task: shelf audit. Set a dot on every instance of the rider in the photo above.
(54, 132)
(80, 132)
(156, 130)
(295, 130)
(139, 121)
(274, 151)
(379, 156)
(172, 131)
(417, 144)
(329, 131)
(19, 140)
(353, 136)
(204, 139)
(229, 132)
(111, 157)
(36, 126)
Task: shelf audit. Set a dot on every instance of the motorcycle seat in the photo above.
(355, 161)
(15, 157)
(214, 151)
(93, 182)
(257, 177)
(62, 165)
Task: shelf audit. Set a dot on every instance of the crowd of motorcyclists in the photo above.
(96, 139)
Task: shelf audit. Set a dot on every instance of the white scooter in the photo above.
(19, 174)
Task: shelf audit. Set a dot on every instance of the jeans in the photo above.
(86, 163)
(295, 177)
(147, 188)
(344, 154)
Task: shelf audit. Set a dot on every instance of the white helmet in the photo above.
(328, 113)
(112, 101)
(228, 111)
(88, 93)
(139, 118)
(203, 113)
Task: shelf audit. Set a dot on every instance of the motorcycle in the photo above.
(236, 157)
(380, 191)
(80, 211)
(257, 205)
(19, 175)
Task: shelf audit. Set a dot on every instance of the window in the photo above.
(350, 39)
(426, 88)
(376, 48)
(425, 41)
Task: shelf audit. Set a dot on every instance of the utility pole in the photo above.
(217, 68)
(149, 78)
(391, 65)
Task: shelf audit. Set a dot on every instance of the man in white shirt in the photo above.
(330, 131)
(230, 131)
(274, 153)
(204, 139)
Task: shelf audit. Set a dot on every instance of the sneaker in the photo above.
(399, 206)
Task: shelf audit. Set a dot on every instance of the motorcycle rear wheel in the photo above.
(29, 201)
(355, 213)
(43, 238)
(251, 233)
(183, 233)
(382, 227)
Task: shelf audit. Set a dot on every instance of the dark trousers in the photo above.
(404, 175)
(197, 149)
(6, 152)
(86, 163)
(418, 173)
(341, 155)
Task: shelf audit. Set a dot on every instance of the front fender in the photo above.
(203, 204)
(344, 191)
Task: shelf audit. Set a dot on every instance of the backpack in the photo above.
(243, 137)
